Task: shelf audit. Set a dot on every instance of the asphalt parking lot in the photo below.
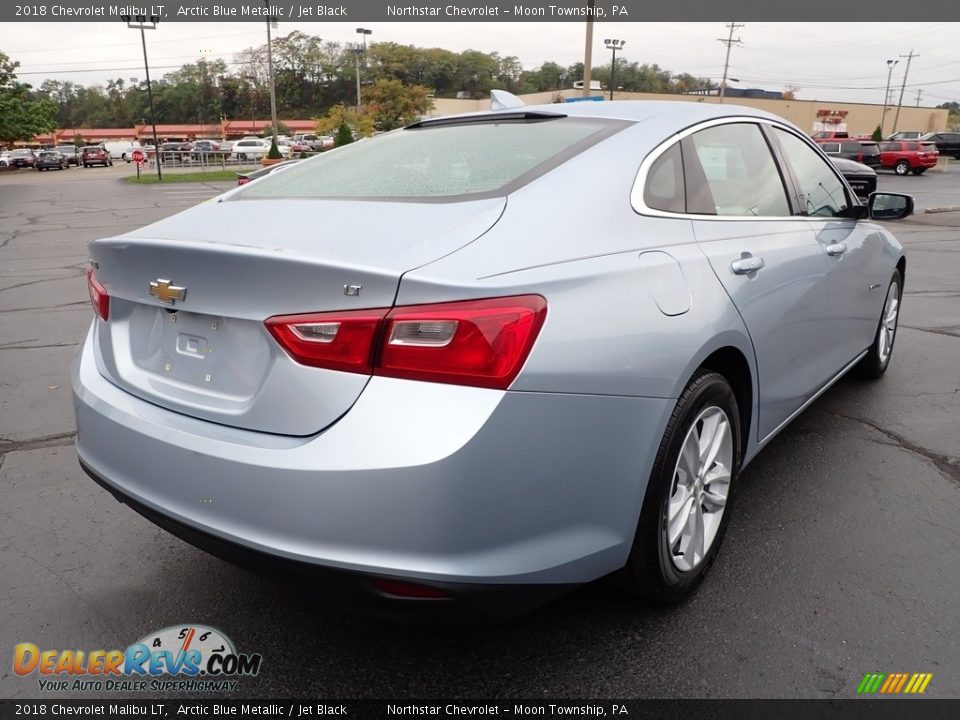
(841, 558)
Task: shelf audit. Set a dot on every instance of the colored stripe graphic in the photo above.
(894, 683)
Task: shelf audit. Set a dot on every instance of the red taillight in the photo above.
(482, 343)
(98, 296)
(337, 341)
(478, 342)
(403, 589)
(242, 180)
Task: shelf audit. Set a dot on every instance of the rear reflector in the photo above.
(98, 296)
(404, 589)
(482, 343)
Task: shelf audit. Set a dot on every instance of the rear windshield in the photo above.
(440, 161)
(928, 147)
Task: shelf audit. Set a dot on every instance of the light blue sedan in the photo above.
(481, 360)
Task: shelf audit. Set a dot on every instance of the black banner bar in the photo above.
(851, 709)
(478, 10)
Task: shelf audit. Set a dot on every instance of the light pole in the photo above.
(886, 94)
(253, 102)
(273, 89)
(361, 49)
(613, 45)
(141, 23)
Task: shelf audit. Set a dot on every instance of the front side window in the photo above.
(820, 191)
(740, 172)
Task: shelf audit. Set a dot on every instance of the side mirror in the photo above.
(889, 206)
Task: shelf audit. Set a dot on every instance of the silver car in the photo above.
(481, 360)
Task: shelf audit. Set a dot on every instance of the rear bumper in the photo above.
(440, 484)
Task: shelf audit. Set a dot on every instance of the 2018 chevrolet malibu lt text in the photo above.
(486, 358)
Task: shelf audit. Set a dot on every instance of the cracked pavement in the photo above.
(841, 557)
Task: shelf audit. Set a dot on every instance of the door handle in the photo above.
(747, 265)
(836, 249)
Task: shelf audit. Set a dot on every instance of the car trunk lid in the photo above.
(189, 295)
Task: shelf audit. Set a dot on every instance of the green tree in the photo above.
(877, 134)
(394, 104)
(339, 115)
(344, 136)
(21, 115)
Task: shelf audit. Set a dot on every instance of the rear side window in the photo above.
(452, 161)
(664, 189)
(913, 146)
(830, 147)
(851, 147)
(740, 171)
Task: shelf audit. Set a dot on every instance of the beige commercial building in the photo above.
(809, 115)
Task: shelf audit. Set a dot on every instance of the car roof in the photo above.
(684, 113)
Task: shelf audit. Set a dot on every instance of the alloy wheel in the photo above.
(888, 323)
(701, 483)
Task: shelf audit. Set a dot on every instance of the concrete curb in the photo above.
(948, 208)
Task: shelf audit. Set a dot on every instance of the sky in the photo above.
(826, 61)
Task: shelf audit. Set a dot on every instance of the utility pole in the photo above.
(906, 71)
(919, 95)
(729, 41)
(588, 50)
(886, 95)
(273, 87)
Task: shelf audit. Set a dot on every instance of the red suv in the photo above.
(95, 155)
(906, 156)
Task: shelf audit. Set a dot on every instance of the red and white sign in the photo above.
(137, 156)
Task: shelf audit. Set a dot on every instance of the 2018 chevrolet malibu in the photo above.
(485, 358)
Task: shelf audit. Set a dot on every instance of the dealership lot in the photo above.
(840, 558)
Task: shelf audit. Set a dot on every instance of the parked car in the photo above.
(22, 157)
(906, 156)
(51, 160)
(244, 177)
(176, 146)
(448, 393)
(866, 152)
(905, 135)
(862, 178)
(70, 152)
(206, 146)
(250, 148)
(948, 143)
(95, 155)
(831, 135)
(5, 159)
(122, 149)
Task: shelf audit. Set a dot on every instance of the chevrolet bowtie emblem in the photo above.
(167, 293)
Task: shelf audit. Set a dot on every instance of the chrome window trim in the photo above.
(640, 182)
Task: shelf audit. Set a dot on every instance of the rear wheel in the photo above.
(242, 157)
(877, 359)
(686, 507)
(902, 168)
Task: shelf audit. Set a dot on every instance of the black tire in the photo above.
(650, 572)
(873, 366)
(902, 168)
(242, 157)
